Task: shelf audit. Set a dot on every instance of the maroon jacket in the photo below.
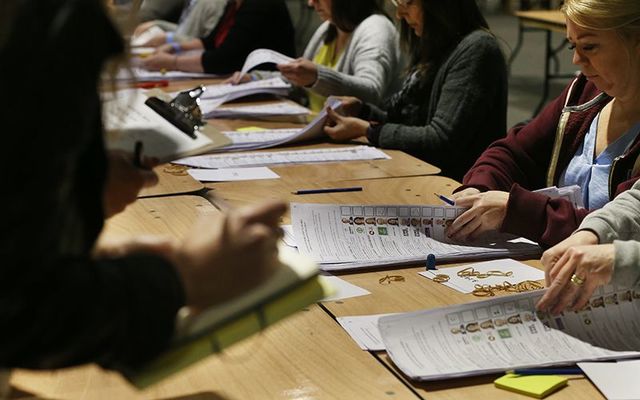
(533, 156)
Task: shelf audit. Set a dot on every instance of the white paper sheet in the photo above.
(264, 56)
(363, 329)
(288, 237)
(354, 236)
(521, 272)
(617, 381)
(344, 289)
(505, 333)
(139, 74)
(571, 193)
(259, 111)
(356, 153)
(232, 174)
(144, 37)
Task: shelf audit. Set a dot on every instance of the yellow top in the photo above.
(326, 57)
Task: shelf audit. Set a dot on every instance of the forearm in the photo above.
(617, 220)
(189, 63)
(626, 270)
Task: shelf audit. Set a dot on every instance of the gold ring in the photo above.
(576, 280)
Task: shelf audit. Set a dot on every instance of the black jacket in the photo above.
(58, 305)
(258, 24)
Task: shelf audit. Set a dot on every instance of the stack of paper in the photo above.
(284, 157)
(215, 95)
(262, 111)
(271, 138)
(264, 56)
(357, 236)
(571, 193)
(139, 74)
(506, 333)
(144, 37)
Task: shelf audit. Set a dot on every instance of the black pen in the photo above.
(329, 190)
(137, 155)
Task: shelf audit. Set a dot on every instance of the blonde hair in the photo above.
(605, 15)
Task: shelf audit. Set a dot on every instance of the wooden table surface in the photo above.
(553, 20)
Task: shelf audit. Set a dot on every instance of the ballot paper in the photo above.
(505, 333)
(243, 141)
(342, 236)
(518, 272)
(363, 329)
(617, 381)
(264, 56)
(232, 174)
(288, 109)
(228, 92)
(355, 153)
(571, 193)
(142, 75)
(144, 37)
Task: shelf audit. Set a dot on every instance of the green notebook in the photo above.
(538, 386)
(295, 286)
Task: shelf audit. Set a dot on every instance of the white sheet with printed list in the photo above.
(356, 153)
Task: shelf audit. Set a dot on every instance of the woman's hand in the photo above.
(160, 61)
(486, 213)
(340, 128)
(464, 193)
(143, 27)
(300, 72)
(124, 181)
(225, 256)
(237, 78)
(573, 278)
(349, 106)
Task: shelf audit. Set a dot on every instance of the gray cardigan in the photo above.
(449, 114)
(618, 222)
(369, 68)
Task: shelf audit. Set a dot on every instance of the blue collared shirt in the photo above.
(591, 173)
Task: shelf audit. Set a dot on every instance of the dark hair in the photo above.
(445, 24)
(346, 15)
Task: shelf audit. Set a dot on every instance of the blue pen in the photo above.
(431, 262)
(547, 371)
(445, 199)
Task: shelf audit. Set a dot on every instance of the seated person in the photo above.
(167, 10)
(453, 102)
(588, 137)
(64, 301)
(246, 25)
(604, 250)
(354, 52)
(198, 19)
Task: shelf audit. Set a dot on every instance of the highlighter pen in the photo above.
(547, 371)
(445, 199)
(329, 190)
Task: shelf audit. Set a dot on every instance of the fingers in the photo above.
(461, 221)
(584, 295)
(554, 294)
(268, 213)
(465, 230)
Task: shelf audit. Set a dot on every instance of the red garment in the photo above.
(524, 161)
(225, 25)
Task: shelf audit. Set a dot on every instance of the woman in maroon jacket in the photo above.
(588, 136)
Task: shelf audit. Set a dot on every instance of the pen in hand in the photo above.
(445, 199)
(137, 155)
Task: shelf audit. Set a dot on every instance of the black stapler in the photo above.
(183, 111)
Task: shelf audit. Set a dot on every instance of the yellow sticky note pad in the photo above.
(538, 386)
(250, 129)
